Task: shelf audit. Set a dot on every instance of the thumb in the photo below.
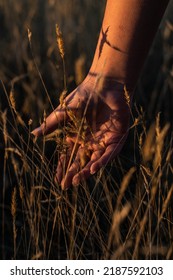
(58, 116)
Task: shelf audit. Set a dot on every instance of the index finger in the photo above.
(50, 124)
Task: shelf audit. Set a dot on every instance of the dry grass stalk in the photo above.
(12, 101)
(15, 151)
(5, 133)
(160, 137)
(124, 185)
(139, 234)
(20, 121)
(148, 147)
(73, 226)
(140, 141)
(169, 155)
(13, 204)
(13, 106)
(154, 250)
(142, 225)
(127, 95)
(135, 123)
(21, 191)
(38, 256)
(146, 176)
(55, 136)
(147, 170)
(170, 252)
(30, 122)
(13, 213)
(62, 98)
(44, 122)
(166, 203)
(60, 41)
(120, 252)
(118, 218)
(29, 35)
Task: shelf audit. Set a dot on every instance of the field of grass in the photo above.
(125, 211)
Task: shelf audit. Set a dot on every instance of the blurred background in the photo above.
(80, 22)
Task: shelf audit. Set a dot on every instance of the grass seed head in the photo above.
(12, 100)
(13, 203)
(60, 41)
(127, 95)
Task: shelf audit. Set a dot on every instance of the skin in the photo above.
(100, 101)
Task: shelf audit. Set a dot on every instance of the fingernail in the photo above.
(76, 183)
(92, 172)
(36, 131)
(64, 186)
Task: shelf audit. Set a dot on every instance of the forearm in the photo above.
(127, 32)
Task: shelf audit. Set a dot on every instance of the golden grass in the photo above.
(123, 212)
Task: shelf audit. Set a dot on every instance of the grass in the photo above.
(125, 210)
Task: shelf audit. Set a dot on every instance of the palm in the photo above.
(98, 125)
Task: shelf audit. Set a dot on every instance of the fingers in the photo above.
(51, 122)
(85, 172)
(78, 172)
(61, 168)
(80, 160)
(58, 116)
(67, 180)
(65, 159)
(110, 152)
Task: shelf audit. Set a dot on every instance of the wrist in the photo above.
(109, 89)
(123, 68)
(102, 83)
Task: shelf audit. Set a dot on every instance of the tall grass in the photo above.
(122, 212)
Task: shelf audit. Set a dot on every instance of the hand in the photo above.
(95, 118)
